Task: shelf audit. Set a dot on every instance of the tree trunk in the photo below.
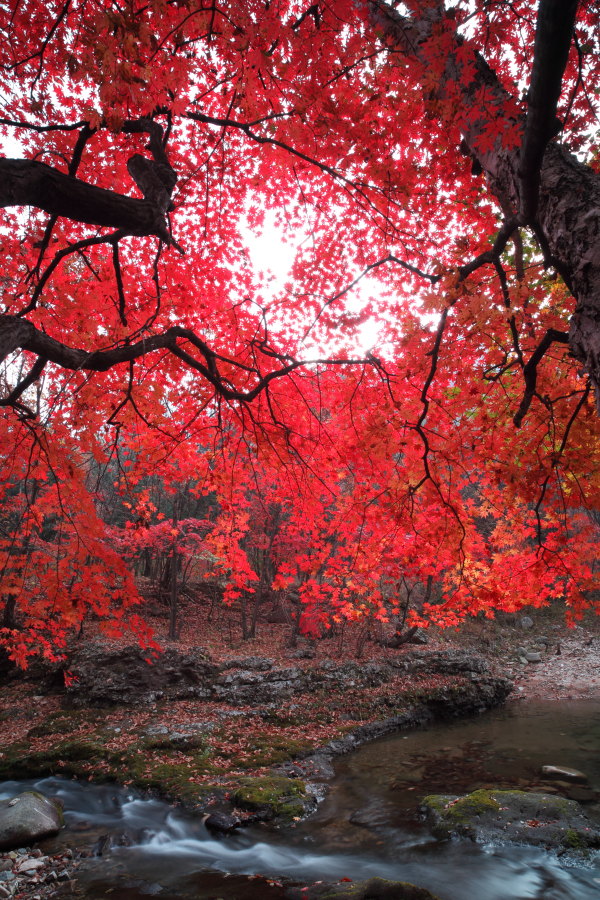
(544, 185)
(174, 600)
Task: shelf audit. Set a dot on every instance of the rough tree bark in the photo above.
(546, 187)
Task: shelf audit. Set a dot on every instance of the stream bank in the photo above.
(245, 738)
(273, 718)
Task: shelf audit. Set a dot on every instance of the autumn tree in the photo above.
(434, 168)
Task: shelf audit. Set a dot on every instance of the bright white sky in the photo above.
(274, 257)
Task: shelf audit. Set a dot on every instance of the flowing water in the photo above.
(368, 824)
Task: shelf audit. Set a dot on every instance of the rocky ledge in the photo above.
(104, 678)
(244, 738)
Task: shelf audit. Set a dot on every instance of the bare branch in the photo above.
(530, 370)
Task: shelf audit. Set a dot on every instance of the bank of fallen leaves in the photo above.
(238, 740)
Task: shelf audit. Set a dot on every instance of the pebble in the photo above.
(27, 870)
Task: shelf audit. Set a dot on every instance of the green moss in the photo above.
(67, 757)
(166, 742)
(269, 751)
(462, 810)
(273, 795)
(64, 721)
(376, 887)
(170, 780)
(573, 840)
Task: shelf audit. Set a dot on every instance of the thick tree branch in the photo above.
(554, 33)
(530, 370)
(25, 182)
(564, 196)
(19, 334)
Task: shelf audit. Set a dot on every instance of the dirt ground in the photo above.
(569, 667)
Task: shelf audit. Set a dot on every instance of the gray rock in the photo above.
(106, 678)
(373, 889)
(533, 656)
(254, 663)
(543, 820)
(419, 637)
(442, 661)
(526, 623)
(27, 818)
(222, 823)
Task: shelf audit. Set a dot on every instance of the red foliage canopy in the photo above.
(430, 170)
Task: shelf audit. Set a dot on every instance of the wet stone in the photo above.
(565, 773)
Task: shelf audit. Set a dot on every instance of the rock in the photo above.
(581, 794)
(446, 662)
(107, 678)
(544, 820)
(419, 637)
(564, 773)
(253, 663)
(373, 889)
(107, 842)
(526, 623)
(221, 822)
(532, 656)
(27, 818)
(103, 677)
(30, 865)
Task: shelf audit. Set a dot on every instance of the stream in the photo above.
(367, 825)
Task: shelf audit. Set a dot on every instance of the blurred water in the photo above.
(368, 825)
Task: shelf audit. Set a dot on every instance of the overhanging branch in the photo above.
(19, 334)
(26, 182)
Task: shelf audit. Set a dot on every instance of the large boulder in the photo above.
(522, 817)
(28, 818)
(105, 677)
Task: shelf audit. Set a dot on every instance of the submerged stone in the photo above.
(373, 889)
(565, 773)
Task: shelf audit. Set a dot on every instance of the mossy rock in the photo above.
(373, 889)
(69, 757)
(523, 817)
(179, 743)
(273, 796)
(64, 721)
(271, 751)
